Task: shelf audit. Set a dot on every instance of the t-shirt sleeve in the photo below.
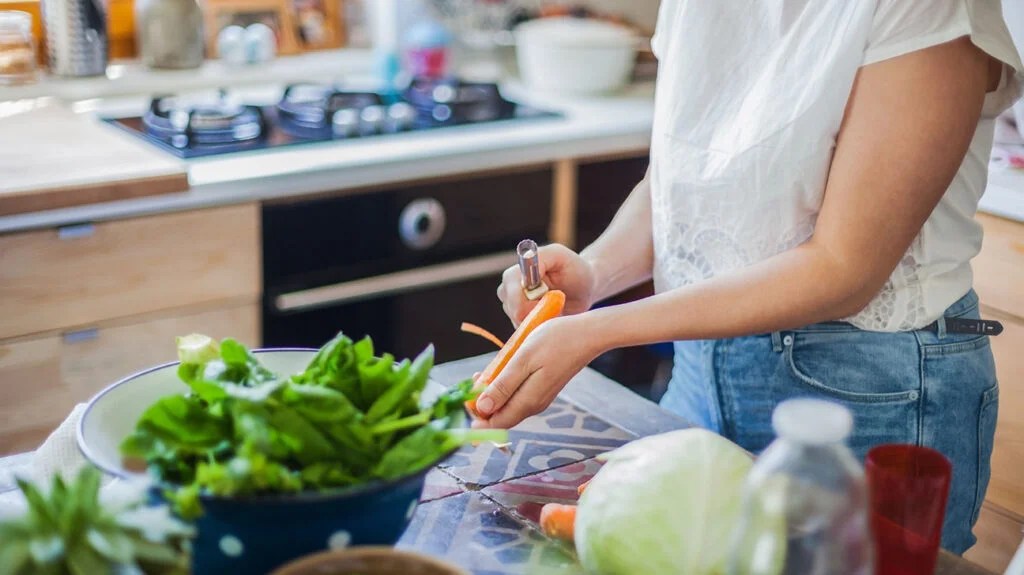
(903, 26)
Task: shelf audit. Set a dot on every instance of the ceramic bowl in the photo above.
(259, 533)
(369, 561)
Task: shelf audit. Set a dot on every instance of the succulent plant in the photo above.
(70, 530)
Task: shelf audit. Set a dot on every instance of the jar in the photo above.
(17, 48)
(170, 33)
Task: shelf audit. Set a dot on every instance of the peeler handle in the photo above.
(529, 265)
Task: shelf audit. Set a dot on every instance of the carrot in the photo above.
(477, 330)
(549, 306)
(558, 521)
(582, 487)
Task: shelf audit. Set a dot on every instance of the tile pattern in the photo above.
(481, 508)
(561, 435)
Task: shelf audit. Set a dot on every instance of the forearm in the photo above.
(799, 287)
(623, 256)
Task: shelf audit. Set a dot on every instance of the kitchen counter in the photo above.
(480, 508)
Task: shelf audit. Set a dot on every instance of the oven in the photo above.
(404, 265)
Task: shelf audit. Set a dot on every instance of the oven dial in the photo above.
(421, 223)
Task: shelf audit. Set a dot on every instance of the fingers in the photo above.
(513, 299)
(501, 389)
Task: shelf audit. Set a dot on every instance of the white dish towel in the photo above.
(58, 454)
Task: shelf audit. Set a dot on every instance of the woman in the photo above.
(807, 218)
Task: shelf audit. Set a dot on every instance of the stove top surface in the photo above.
(308, 113)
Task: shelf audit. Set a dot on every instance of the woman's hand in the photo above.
(561, 269)
(551, 355)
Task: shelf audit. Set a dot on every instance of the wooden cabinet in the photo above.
(75, 277)
(81, 307)
(999, 280)
(42, 379)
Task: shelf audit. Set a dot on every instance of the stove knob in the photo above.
(345, 123)
(421, 223)
(373, 119)
(401, 116)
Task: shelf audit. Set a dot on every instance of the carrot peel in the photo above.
(558, 521)
(582, 487)
(477, 330)
(549, 306)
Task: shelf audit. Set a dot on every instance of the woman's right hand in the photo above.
(561, 269)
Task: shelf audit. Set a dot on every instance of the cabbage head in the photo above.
(664, 504)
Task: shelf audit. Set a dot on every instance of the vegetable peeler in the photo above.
(529, 265)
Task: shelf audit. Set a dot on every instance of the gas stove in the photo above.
(222, 124)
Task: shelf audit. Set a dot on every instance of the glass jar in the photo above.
(17, 48)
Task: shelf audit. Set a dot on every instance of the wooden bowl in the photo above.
(368, 561)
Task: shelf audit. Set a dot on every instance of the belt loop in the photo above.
(940, 327)
(777, 341)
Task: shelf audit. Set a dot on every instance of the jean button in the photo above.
(913, 395)
(788, 340)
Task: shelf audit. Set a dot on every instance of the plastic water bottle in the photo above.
(805, 502)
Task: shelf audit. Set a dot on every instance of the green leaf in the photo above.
(112, 545)
(14, 554)
(310, 445)
(84, 560)
(408, 387)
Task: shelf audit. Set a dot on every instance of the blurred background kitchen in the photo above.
(276, 170)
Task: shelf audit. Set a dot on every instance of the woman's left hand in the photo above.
(551, 355)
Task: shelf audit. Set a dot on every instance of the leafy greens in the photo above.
(349, 418)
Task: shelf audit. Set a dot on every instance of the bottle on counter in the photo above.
(76, 37)
(170, 33)
(805, 502)
(17, 48)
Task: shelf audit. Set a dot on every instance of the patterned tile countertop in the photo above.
(480, 509)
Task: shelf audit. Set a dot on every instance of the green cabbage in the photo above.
(664, 504)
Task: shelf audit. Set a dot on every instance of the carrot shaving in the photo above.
(583, 487)
(558, 521)
(477, 330)
(549, 306)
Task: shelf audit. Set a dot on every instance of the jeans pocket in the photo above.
(986, 434)
(853, 366)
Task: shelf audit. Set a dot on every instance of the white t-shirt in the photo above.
(749, 100)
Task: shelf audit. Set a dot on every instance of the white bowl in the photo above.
(573, 56)
(111, 415)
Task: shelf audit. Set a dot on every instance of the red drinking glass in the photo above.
(909, 486)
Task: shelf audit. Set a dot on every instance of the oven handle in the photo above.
(394, 283)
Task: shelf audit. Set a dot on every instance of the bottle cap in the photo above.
(812, 421)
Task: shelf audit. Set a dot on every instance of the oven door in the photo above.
(403, 312)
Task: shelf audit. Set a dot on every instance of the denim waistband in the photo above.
(960, 307)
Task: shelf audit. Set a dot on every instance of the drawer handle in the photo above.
(76, 231)
(81, 335)
(393, 283)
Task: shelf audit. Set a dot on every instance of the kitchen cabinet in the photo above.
(83, 306)
(43, 378)
(998, 279)
(72, 277)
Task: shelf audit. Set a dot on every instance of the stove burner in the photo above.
(307, 110)
(452, 101)
(203, 124)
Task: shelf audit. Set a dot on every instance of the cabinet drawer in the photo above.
(999, 268)
(42, 379)
(58, 279)
(1006, 487)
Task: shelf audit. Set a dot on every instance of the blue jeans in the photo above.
(924, 388)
